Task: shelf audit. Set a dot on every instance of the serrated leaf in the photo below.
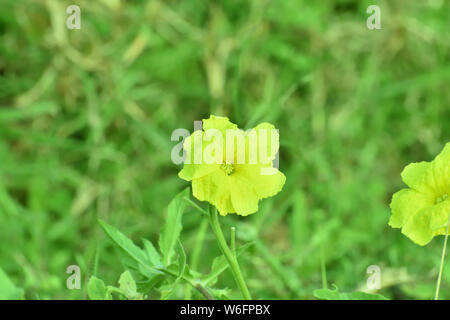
(96, 289)
(8, 290)
(173, 226)
(130, 249)
(329, 294)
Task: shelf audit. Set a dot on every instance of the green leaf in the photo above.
(8, 291)
(182, 269)
(172, 228)
(96, 289)
(221, 294)
(152, 254)
(128, 286)
(328, 294)
(131, 250)
(148, 284)
(167, 290)
(181, 259)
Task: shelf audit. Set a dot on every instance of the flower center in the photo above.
(227, 168)
(441, 198)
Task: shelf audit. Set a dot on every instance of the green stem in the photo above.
(441, 268)
(233, 240)
(231, 258)
(195, 206)
(323, 267)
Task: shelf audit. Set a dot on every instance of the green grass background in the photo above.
(86, 117)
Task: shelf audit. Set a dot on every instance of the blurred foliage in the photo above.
(86, 117)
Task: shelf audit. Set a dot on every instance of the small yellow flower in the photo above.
(240, 175)
(422, 210)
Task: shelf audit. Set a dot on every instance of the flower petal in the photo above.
(439, 174)
(406, 203)
(268, 142)
(214, 188)
(243, 196)
(195, 171)
(426, 223)
(415, 176)
(439, 215)
(417, 227)
(430, 177)
(265, 185)
(219, 123)
(195, 166)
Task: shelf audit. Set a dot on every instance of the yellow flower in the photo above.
(422, 210)
(232, 176)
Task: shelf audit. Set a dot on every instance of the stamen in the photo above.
(441, 198)
(228, 168)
